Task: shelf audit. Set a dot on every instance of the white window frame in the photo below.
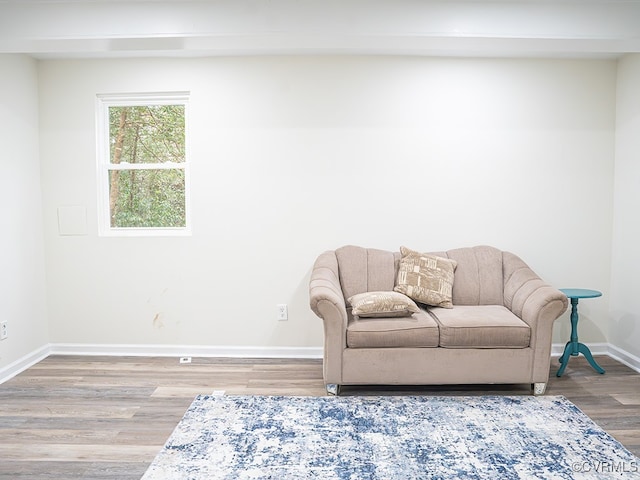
(103, 102)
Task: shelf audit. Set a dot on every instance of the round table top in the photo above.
(580, 293)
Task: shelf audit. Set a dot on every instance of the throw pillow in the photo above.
(382, 304)
(426, 278)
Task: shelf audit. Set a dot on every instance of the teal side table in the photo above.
(573, 347)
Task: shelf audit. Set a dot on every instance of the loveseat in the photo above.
(495, 329)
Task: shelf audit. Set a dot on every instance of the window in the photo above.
(143, 176)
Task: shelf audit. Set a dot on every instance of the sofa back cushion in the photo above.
(478, 277)
(366, 270)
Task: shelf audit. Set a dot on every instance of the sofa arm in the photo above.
(324, 286)
(528, 296)
(328, 303)
(538, 304)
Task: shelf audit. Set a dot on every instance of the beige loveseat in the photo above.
(498, 331)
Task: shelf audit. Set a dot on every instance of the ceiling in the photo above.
(134, 28)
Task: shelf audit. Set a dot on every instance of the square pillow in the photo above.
(382, 304)
(426, 278)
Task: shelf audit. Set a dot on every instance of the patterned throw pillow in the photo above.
(426, 278)
(382, 304)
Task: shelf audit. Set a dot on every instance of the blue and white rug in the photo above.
(389, 438)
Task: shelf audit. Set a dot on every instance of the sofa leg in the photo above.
(333, 389)
(539, 388)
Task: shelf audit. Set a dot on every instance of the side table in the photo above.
(573, 347)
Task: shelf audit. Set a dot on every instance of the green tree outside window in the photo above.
(146, 172)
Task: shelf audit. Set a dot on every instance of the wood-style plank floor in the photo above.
(73, 417)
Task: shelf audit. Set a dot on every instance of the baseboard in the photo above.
(43, 352)
(622, 356)
(20, 365)
(612, 351)
(184, 351)
(557, 349)
(125, 350)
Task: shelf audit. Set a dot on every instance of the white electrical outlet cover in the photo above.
(282, 311)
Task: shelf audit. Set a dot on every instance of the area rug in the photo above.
(388, 438)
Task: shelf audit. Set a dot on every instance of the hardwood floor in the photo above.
(71, 417)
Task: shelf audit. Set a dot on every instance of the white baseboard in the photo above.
(23, 363)
(184, 351)
(124, 350)
(557, 349)
(622, 356)
(612, 351)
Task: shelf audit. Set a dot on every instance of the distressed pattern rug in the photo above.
(388, 438)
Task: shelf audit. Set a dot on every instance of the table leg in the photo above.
(564, 359)
(583, 349)
(564, 353)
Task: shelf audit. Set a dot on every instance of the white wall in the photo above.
(624, 329)
(295, 155)
(22, 277)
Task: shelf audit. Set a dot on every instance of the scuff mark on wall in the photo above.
(157, 320)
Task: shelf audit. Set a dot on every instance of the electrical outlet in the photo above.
(3, 330)
(283, 314)
(185, 359)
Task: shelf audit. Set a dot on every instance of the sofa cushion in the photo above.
(478, 278)
(426, 278)
(484, 326)
(365, 269)
(418, 330)
(382, 304)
